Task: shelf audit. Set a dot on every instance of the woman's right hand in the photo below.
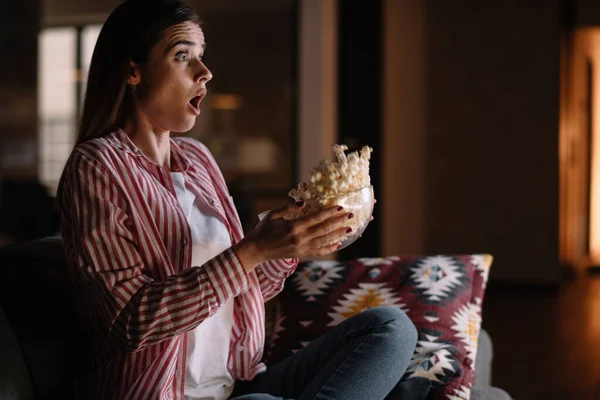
(276, 238)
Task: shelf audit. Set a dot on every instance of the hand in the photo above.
(372, 217)
(275, 238)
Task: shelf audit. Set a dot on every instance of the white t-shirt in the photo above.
(206, 376)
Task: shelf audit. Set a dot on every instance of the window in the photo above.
(61, 76)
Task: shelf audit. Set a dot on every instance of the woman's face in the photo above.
(168, 88)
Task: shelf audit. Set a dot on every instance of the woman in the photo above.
(173, 292)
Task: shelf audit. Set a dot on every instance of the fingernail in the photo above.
(340, 208)
(350, 216)
(300, 203)
(348, 230)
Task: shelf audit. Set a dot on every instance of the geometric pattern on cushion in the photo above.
(442, 294)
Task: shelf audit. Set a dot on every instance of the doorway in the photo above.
(579, 149)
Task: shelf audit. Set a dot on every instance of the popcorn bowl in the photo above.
(359, 202)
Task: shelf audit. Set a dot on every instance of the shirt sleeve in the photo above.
(272, 274)
(135, 310)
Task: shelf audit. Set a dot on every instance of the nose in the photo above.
(203, 74)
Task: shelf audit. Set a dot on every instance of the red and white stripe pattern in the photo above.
(128, 245)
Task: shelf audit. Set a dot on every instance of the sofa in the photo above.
(42, 349)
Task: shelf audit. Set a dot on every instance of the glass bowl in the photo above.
(359, 202)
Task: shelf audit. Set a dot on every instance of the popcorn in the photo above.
(327, 179)
(339, 183)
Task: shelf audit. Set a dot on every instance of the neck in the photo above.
(154, 143)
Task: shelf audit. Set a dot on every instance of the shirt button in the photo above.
(240, 347)
(213, 202)
(185, 241)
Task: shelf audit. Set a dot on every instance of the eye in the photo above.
(182, 56)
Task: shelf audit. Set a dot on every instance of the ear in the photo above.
(134, 78)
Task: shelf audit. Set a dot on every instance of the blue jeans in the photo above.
(362, 358)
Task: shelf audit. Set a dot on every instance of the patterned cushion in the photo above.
(442, 295)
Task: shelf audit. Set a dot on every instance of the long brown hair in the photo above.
(129, 34)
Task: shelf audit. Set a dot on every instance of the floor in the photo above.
(546, 345)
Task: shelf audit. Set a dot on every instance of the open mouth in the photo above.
(195, 102)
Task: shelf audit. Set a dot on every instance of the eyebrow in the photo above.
(184, 42)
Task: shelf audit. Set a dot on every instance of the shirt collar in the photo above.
(179, 161)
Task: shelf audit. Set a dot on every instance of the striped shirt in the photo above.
(129, 250)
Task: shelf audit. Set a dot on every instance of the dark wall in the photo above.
(586, 12)
(18, 88)
(492, 144)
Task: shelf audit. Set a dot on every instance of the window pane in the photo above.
(57, 72)
(56, 98)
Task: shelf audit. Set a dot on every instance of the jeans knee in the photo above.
(398, 327)
(382, 314)
(407, 330)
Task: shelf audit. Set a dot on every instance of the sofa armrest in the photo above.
(483, 360)
(482, 388)
(489, 393)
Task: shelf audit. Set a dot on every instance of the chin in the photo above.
(184, 126)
